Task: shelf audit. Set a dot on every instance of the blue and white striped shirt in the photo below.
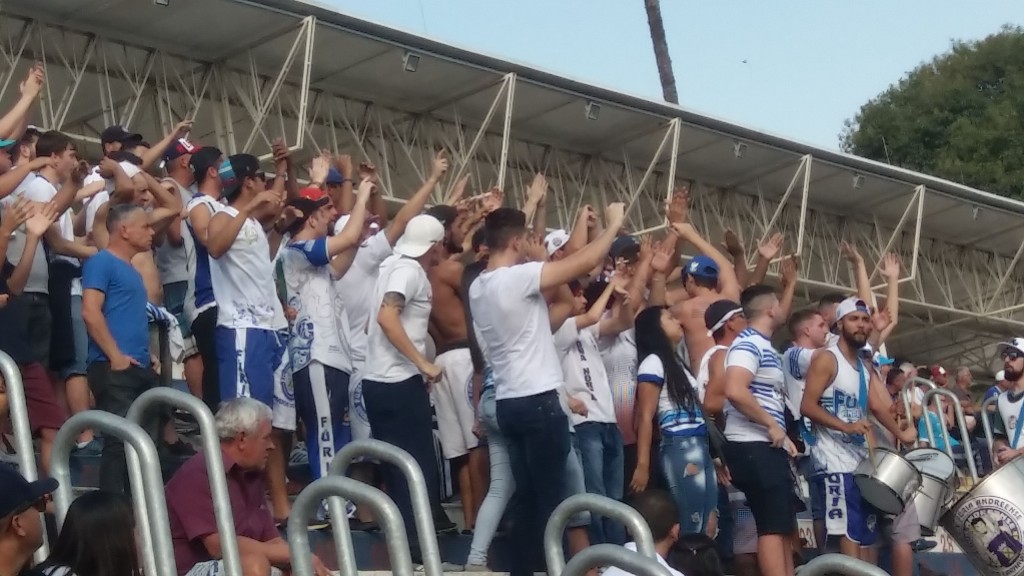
(674, 420)
(753, 352)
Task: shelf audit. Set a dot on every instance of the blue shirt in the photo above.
(936, 425)
(124, 306)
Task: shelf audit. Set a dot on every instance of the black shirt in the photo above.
(14, 338)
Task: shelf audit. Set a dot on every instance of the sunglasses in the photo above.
(1012, 354)
(39, 505)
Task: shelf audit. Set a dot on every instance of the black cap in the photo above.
(179, 148)
(125, 156)
(624, 247)
(118, 134)
(444, 213)
(235, 170)
(203, 160)
(17, 494)
(718, 313)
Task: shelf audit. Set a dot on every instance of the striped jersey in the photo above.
(674, 420)
(753, 352)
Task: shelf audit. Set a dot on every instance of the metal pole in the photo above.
(22, 431)
(152, 488)
(336, 487)
(610, 555)
(423, 515)
(907, 387)
(635, 523)
(986, 425)
(214, 462)
(839, 564)
(961, 422)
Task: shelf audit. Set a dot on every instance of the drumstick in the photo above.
(870, 437)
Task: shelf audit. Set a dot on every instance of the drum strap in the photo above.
(1020, 424)
(863, 400)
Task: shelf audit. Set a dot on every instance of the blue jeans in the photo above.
(501, 487)
(537, 432)
(601, 449)
(695, 490)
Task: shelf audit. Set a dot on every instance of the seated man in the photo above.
(243, 425)
(658, 508)
(21, 521)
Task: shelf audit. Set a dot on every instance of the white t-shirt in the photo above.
(510, 316)
(835, 452)
(619, 355)
(1009, 407)
(172, 262)
(356, 288)
(673, 419)
(753, 352)
(384, 363)
(614, 571)
(243, 281)
(315, 333)
(585, 376)
(103, 197)
(36, 188)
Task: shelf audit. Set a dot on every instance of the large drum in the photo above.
(938, 484)
(887, 480)
(988, 522)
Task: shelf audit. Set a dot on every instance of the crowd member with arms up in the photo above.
(512, 323)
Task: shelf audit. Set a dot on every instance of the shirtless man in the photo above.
(707, 278)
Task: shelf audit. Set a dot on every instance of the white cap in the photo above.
(849, 306)
(1001, 375)
(555, 240)
(1014, 344)
(421, 233)
(343, 219)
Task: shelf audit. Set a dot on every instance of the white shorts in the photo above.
(906, 528)
(453, 403)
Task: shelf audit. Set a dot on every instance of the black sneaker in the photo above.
(445, 526)
(922, 545)
(357, 525)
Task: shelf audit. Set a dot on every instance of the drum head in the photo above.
(932, 462)
(879, 495)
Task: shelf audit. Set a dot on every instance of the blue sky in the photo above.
(795, 68)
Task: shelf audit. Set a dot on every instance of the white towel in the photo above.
(176, 342)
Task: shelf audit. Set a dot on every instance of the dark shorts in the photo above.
(44, 412)
(40, 326)
(174, 301)
(763, 474)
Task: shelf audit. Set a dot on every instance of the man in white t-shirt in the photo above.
(252, 332)
(758, 451)
(1010, 405)
(310, 264)
(510, 316)
(398, 374)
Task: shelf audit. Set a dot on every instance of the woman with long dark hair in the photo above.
(98, 539)
(665, 391)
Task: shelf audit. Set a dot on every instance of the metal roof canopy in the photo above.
(362, 63)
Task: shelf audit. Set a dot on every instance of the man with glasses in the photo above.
(1010, 405)
(21, 524)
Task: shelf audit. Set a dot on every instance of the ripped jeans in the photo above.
(690, 475)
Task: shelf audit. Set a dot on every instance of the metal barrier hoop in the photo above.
(384, 509)
(611, 555)
(635, 523)
(214, 466)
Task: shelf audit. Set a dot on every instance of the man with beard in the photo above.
(836, 400)
(1010, 406)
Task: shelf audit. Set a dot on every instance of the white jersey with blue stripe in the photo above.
(835, 452)
(318, 329)
(674, 420)
(753, 352)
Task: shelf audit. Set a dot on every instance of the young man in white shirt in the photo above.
(510, 316)
(398, 375)
(252, 332)
(311, 262)
(658, 509)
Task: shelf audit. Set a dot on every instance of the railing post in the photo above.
(986, 425)
(965, 434)
(214, 462)
(423, 515)
(635, 523)
(602, 555)
(839, 564)
(151, 489)
(22, 431)
(384, 509)
(907, 387)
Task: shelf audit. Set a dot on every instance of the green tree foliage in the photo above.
(959, 117)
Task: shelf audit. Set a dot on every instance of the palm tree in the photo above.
(661, 55)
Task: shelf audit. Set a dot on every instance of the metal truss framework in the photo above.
(949, 310)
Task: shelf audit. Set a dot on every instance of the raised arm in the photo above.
(415, 204)
(578, 264)
(12, 124)
(860, 270)
(154, 154)
(790, 273)
(766, 252)
(729, 286)
(890, 267)
(734, 248)
(224, 228)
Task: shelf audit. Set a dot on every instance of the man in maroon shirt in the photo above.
(243, 425)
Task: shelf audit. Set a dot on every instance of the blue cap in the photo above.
(5, 144)
(334, 177)
(701, 267)
(17, 493)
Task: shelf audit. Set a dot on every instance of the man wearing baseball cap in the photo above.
(114, 138)
(1010, 405)
(398, 374)
(555, 243)
(21, 506)
(709, 277)
(320, 369)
